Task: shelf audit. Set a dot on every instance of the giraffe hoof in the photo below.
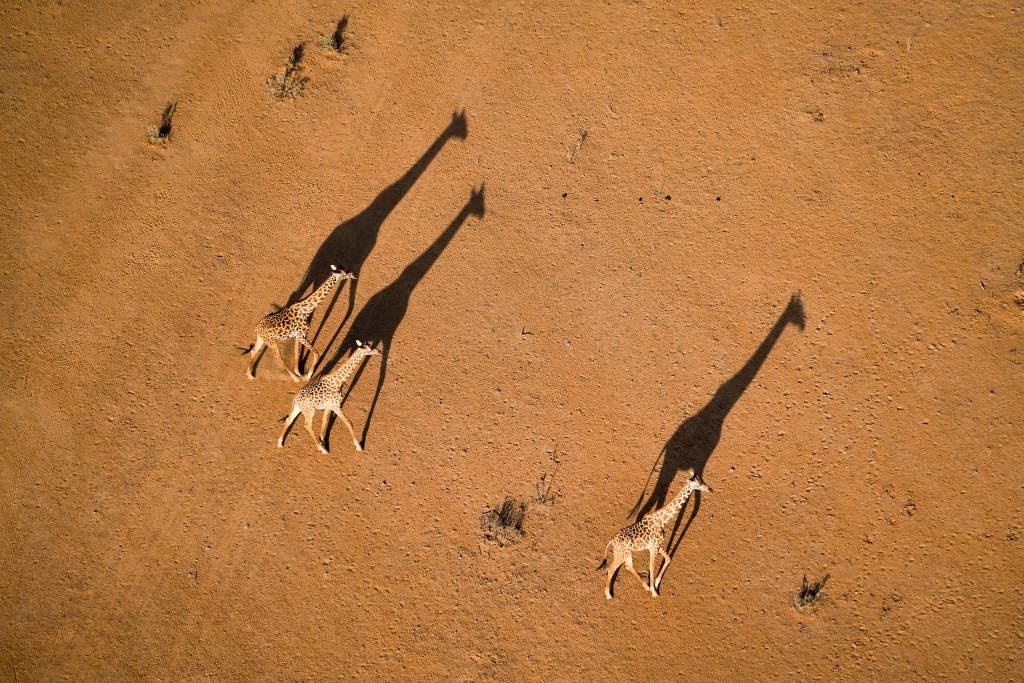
(608, 595)
(359, 448)
(280, 444)
(249, 376)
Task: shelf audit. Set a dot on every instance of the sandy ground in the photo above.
(612, 309)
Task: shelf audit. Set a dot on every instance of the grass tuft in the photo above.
(291, 82)
(810, 593)
(504, 524)
(162, 133)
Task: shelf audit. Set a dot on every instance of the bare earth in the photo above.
(618, 313)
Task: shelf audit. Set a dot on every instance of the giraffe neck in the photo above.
(665, 514)
(309, 304)
(338, 377)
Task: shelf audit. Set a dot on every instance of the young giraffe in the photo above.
(648, 534)
(292, 322)
(324, 394)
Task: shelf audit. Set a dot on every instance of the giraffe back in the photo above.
(283, 325)
(641, 535)
(317, 395)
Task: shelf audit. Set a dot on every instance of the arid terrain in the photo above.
(599, 242)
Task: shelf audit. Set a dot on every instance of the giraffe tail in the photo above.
(604, 560)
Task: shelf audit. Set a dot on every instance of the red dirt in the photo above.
(867, 156)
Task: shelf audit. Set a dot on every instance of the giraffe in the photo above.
(324, 393)
(649, 534)
(293, 322)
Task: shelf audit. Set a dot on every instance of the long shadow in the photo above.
(698, 436)
(379, 319)
(350, 243)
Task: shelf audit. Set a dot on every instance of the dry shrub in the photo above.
(504, 524)
(162, 133)
(291, 82)
(810, 593)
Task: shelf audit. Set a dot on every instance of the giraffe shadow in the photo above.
(351, 242)
(697, 437)
(378, 320)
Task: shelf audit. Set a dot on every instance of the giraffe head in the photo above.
(699, 484)
(341, 274)
(366, 349)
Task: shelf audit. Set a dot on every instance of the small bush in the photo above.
(810, 593)
(545, 493)
(162, 133)
(504, 524)
(291, 82)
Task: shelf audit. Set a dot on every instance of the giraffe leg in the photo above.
(664, 566)
(277, 350)
(629, 567)
(323, 426)
(341, 416)
(288, 421)
(309, 428)
(313, 359)
(612, 568)
(254, 355)
(652, 584)
(385, 351)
